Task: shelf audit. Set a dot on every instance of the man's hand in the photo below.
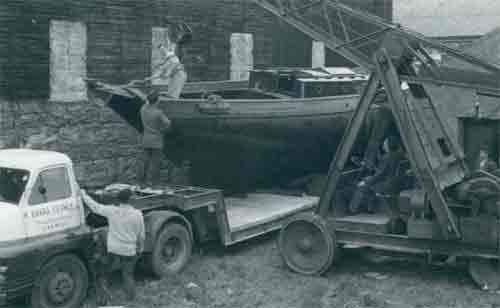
(140, 248)
(84, 194)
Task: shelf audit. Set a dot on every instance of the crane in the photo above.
(417, 89)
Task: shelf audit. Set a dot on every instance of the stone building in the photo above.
(48, 47)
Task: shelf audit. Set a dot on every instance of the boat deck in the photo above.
(261, 208)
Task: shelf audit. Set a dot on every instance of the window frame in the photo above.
(25, 189)
(67, 95)
(34, 188)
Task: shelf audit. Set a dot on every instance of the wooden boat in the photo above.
(264, 132)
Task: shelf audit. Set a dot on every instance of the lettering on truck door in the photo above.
(51, 205)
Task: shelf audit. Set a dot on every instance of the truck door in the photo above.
(51, 205)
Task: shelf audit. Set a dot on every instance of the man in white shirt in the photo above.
(170, 71)
(125, 238)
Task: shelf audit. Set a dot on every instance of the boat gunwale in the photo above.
(292, 100)
(259, 116)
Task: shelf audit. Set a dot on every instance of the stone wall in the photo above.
(103, 148)
(119, 34)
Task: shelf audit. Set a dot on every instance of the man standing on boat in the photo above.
(170, 70)
(155, 124)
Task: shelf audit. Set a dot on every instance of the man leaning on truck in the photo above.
(125, 239)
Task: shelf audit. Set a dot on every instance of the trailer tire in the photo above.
(62, 282)
(172, 249)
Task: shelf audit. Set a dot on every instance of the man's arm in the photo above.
(165, 122)
(96, 207)
(141, 237)
(381, 172)
(386, 165)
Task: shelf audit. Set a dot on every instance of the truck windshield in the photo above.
(12, 184)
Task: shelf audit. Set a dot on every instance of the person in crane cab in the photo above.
(125, 239)
(485, 163)
(384, 180)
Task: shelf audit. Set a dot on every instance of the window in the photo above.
(51, 185)
(68, 63)
(12, 184)
(241, 48)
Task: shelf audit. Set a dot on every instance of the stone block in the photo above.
(30, 106)
(127, 169)
(95, 173)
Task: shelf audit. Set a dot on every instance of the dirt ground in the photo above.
(252, 274)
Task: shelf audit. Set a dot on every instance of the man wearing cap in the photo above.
(385, 179)
(125, 238)
(155, 124)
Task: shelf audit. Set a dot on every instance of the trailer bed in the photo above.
(259, 213)
(236, 219)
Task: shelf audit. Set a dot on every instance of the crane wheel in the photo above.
(306, 244)
(485, 273)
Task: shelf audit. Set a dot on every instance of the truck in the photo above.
(48, 237)
(445, 206)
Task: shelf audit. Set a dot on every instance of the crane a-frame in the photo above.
(444, 207)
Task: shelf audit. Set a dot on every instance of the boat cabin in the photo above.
(308, 82)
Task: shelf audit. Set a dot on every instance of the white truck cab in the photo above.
(47, 246)
(38, 194)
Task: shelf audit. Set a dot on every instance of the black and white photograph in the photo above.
(249, 153)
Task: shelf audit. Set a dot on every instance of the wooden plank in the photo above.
(210, 86)
(261, 208)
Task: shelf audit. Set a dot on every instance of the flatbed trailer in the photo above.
(51, 242)
(208, 215)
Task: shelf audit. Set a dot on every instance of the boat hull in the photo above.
(241, 145)
(249, 144)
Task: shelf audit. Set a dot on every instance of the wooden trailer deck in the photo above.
(259, 213)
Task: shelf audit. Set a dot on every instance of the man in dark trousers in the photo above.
(384, 180)
(125, 239)
(155, 124)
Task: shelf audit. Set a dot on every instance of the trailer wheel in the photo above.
(172, 250)
(306, 245)
(62, 282)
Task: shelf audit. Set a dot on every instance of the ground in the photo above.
(252, 274)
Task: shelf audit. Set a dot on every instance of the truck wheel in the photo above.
(62, 282)
(172, 250)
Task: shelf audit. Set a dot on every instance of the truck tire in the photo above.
(172, 250)
(62, 282)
